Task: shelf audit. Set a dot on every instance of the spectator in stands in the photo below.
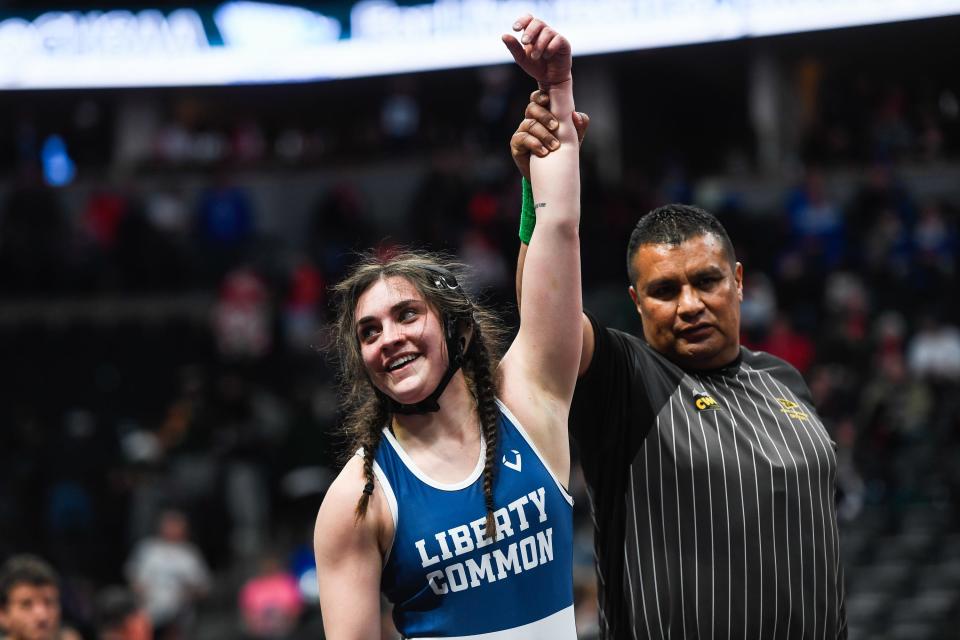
(301, 314)
(339, 223)
(241, 318)
(934, 352)
(119, 616)
(847, 302)
(270, 602)
(785, 342)
(816, 222)
(759, 306)
(170, 574)
(30, 601)
(882, 211)
(225, 224)
(934, 242)
(894, 419)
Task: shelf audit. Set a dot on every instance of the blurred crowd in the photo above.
(171, 419)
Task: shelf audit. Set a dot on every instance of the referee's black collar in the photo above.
(733, 368)
(730, 369)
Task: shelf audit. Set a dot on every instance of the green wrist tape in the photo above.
(528, 215)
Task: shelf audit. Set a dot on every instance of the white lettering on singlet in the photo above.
(538, 499)
(435, 580)
(483, 570)
(444, 549)
(522, 555)
(424, 560)
(479, 527)
(505, 562)
(462, 542)
(464, 538)
(545, 545)
(456, 577)
(502, 519)
(529, 553)
(517, 507)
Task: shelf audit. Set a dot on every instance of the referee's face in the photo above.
(688, 297)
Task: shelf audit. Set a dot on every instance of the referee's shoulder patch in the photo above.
(703, 401)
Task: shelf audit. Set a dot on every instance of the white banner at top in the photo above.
(265, 42)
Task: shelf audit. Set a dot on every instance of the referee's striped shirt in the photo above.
(712, 495)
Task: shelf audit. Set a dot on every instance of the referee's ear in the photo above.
(738, 277)
(636, 299)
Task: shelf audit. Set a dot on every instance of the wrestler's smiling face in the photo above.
(401, 340)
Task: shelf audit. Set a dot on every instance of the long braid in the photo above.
(370, 441)
(489, 414)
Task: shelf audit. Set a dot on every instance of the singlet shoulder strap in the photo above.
(511, 420)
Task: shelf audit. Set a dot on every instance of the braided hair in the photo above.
(484, 389)
(365, 410)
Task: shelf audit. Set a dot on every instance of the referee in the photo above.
(711, 478)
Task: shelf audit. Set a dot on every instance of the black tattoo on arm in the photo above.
(539, 205)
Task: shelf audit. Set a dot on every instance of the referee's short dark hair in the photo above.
(26, 569)
(675, 224)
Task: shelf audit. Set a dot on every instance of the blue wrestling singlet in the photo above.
(446, 579)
